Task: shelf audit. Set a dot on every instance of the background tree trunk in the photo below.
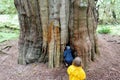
(47, 26)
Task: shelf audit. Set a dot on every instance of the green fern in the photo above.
(104, 30)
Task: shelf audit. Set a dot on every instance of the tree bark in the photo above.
(47, 26)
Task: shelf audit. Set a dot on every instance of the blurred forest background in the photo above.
(109, 19)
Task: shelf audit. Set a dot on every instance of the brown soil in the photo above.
(105, 67)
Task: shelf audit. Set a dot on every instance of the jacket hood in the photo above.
(67, 47)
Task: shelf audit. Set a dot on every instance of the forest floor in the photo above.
(105, 67)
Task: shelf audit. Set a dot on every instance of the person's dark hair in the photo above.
(77, 61)
(68, 44)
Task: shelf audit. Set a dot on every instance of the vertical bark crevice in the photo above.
(71, 24)
(43, 12)
(64, 17)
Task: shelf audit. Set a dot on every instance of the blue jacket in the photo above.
(68, 55)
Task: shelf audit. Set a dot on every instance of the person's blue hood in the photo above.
(67, 47)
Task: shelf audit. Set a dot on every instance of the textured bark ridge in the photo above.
(47, 26)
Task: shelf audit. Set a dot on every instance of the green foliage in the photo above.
(109, 29)
(9, 20)
(9, 27)
(109, 11)
(104, 30)
(7, 36)
(7, 7)
(8, 33)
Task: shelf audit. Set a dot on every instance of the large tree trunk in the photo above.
(47, 26)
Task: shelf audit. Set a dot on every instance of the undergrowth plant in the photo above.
(104, 30)
(9, 28)
(7, 7)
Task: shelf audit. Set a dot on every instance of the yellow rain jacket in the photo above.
(76, 73)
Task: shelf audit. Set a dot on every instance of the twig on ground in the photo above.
(6, 47)
(1, 52)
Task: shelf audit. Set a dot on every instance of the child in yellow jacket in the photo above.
(75, 71)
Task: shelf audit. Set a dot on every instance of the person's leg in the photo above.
(70, 63)
(65, 63)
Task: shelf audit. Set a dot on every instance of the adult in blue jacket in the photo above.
(68, 57)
